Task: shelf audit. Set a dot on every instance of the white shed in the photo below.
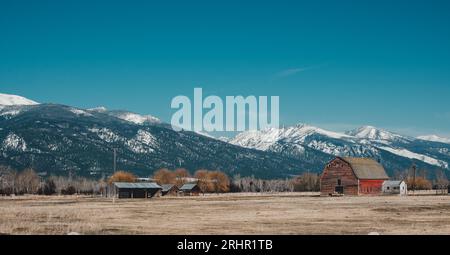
(395, 187)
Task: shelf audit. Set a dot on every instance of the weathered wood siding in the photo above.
(336, 170)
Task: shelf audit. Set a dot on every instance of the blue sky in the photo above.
(335, 64)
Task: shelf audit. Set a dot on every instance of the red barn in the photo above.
(352, 176)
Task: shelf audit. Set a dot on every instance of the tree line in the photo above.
(209, 181)
(28, 181)
(420, 181)
(307, 182)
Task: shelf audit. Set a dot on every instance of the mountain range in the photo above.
(396, 152)
(59, 139)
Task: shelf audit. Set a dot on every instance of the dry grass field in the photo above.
(290, 213)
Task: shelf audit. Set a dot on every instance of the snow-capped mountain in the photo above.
(59, 139)
(9, 100)
(396, 151)
(128, 116)
(376, 134)
(302, 136)
(265, 139)
(434, 138)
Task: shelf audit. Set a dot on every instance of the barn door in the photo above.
(339, 189)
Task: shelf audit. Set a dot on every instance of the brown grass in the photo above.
(286, 213)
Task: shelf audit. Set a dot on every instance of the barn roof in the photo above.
(137, 185)
(367, 169)
(167, 187)
(188, 186)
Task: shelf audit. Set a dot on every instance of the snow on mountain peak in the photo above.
(434, 138)
(308, 130)
(137, 119)
(98, 109)
(373, 133)
(264, 139)
(127, 116)
(79, 112)
(366, 141)
(6, 99)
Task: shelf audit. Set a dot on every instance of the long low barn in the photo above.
(136, 190)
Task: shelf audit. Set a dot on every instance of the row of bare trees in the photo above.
(420, 181)
(73, 185)
(12, 182)
(28, 182)
(307, 182)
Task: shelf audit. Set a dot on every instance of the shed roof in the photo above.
(167, 187)
(137, 185)
(392, 183)
(188, 186)
(367, 169)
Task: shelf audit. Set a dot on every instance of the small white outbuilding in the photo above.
(395, 188)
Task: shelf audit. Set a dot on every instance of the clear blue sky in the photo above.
(336, 64)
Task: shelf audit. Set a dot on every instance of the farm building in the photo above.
(169, 190)
(352, 176)
(136, 190)
(191, 189)
(395, 187)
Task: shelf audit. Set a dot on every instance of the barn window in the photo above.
(339, 182)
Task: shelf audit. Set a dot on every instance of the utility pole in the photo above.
(113, 190)
(115, 160)
(414, 177)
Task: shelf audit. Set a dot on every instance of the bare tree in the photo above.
(7, 180)
(203, 180)
(441, 181)
(219, 182)
(307, 182)
(27, 182)
(181, 174)
(165, 176)
(122, 176)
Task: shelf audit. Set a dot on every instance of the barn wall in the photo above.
(335, 170)
(371, 187)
